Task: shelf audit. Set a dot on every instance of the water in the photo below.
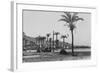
(76, 50)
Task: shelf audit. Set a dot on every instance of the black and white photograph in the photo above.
(55, 35)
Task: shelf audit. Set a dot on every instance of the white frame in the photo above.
(16, 51)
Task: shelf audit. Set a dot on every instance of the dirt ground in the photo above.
(55, 56)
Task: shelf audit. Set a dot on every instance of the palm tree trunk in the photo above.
(53, 41)
(63, 43)
(72, 42)
(47, 41)
(56, 41)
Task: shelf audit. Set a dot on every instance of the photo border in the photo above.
(17, 64)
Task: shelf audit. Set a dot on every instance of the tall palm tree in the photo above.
(63, 51)
(70, 18)
(56, 33)
(39, 40)
(47, 38)
(50, 40)
(43, 39)
(63, 37)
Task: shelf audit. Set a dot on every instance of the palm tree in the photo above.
(47, 38)
(63, 51)
(53, 41)
(39, 40)
(63, 37)
(43, 39)
(50, 40)
(70, 18)
(56, 33)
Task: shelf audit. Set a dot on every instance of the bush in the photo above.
(63, 52)
(38, 51)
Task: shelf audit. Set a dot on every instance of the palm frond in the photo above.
(48, 34)
(68, 14)
(70, 18)
(72, 26)
(65, 17)
(63, 36)
(79, 19)
(56, 33)
(75, 17)
(65, 20)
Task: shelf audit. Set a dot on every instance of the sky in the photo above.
(37, 23)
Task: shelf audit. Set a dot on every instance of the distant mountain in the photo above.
(29, 38)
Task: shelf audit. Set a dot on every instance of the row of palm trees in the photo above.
(51, 40)
(46, 42)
